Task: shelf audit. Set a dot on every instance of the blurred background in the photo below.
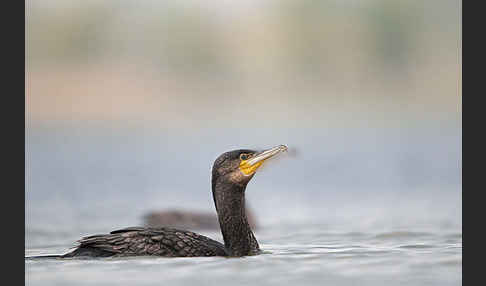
(128, 103)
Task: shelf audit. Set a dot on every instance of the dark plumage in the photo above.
(230, 175)
(135, 241)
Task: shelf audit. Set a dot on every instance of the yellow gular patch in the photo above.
(248, 169)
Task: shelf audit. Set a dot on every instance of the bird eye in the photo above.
(244, 156)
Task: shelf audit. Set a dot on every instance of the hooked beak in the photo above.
(249, 167)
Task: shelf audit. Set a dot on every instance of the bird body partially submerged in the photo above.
(230, 175)
(135, 241)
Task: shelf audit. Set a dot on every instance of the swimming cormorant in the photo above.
(230, 175)
(193, 220)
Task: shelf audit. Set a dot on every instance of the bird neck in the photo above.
(238, 237)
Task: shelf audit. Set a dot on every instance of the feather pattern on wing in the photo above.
(138, 241)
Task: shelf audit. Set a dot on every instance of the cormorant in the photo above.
(230, 175)
(194, 220)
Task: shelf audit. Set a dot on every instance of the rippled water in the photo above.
(380, 212)
(293, 255)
